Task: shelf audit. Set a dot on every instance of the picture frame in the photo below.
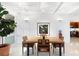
(43, 28)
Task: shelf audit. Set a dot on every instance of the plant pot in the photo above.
(4, 49)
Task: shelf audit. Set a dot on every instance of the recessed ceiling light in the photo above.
(59, 19)
(27, 18)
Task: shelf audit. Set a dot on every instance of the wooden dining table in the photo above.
(52, 40)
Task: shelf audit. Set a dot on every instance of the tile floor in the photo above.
(71, 49)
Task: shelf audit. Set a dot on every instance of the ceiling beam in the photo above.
(58, 7)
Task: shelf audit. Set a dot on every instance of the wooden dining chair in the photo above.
(24, 44)
(55, 45)
(43, 46)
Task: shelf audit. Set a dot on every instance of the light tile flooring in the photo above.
(71, 49)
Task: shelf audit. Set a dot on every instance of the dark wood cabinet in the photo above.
(74, 24)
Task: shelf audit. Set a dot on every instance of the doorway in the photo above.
(74, 32)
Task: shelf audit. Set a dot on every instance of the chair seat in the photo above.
(57, 45)
(44, 45)
(43, 49)
(31, 45)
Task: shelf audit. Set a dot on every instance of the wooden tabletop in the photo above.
(51, 40)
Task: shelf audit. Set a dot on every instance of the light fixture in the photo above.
(59, 19)
(27, 19)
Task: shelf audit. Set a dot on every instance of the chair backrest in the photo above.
(43, 42)
(60, 35)
(24, 38)
(43, 45)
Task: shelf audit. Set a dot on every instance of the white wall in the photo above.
(29, 28)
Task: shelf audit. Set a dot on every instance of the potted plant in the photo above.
(7, 27)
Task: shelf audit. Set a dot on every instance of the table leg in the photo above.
(27, 50)
(60, 52)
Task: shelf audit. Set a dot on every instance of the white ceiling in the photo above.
(36, 9)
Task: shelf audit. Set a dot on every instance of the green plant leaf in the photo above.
(1, 9)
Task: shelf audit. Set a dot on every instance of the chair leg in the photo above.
(22, 50)
(53, 49)
(63, 49)
(37, 53)
(49, 53)
(32, 50)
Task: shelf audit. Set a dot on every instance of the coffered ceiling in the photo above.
(42, 9)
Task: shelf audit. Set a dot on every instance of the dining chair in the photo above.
(43, 46)
(55, 45)
(24, 44)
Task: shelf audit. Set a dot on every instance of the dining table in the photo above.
(52, 40)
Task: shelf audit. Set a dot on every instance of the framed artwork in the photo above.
(43, 28)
